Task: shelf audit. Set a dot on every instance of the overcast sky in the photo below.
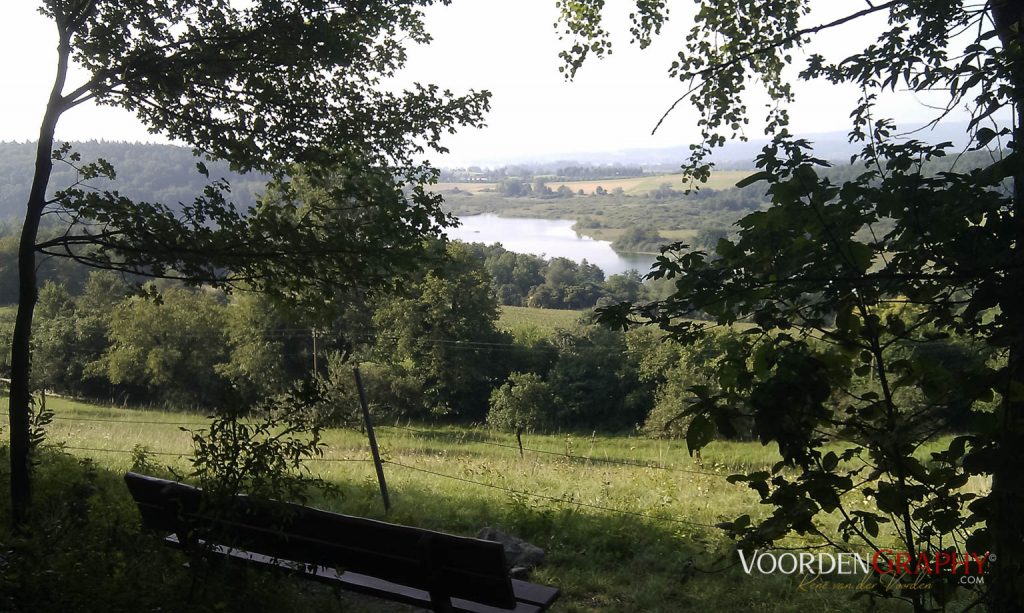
(507, 46)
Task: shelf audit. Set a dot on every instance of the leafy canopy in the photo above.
(267, 86)
(280, 86)
(857, 287)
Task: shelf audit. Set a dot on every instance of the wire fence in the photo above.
(512, 491)
(185, 456)
(579, 458)
(128, 421)
(565, 499)
(436, 434)
(64, 447)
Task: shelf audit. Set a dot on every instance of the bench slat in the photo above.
(365, 584)
(390, 557)
(535, 593)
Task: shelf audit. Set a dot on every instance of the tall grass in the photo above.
(533, 321)
(626, 521)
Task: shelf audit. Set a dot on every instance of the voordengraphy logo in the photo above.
(886, 561)
(788, 563)
(970, 566)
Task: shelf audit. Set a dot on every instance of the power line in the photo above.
(553, 499)
(304, 334)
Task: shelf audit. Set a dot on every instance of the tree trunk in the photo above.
(21, 348)
(1005, 583)
(1006, 523)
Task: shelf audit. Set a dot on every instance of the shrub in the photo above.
(522, 403)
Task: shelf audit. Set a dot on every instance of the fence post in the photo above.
(373, 440)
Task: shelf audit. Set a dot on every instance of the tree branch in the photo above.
(794, 36)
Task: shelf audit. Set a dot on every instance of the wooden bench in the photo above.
(400, 563)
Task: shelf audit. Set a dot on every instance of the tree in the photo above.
(267, 353)
(541, 189)
(523, 402)
(624, 287)
(264, 87)
(636, 239)
(593, 381)
(169, 348)
(819, 271)
(71, 334)
(441, 332)
(56, 356)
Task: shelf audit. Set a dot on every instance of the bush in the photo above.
(523, 402)
(391, 393)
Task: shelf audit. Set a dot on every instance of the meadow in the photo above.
(532, 321)
(628, 523)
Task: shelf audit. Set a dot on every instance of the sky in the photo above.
(509, 47)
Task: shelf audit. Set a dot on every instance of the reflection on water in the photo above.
(549, 238)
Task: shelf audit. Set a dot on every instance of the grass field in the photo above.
(529, 320)
(624, 520)
(633, 186)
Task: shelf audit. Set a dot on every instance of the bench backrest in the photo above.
(447, 566)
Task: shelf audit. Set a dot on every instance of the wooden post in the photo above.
(373, 440)
(316, 371)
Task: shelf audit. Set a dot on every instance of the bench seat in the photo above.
(411, 565)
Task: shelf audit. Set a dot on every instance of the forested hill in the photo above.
(153, 173)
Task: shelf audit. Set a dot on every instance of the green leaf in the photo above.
(754, 178)
(830, 461)
(700, 433)
(984, 136)
(889, 498)
(862, 256)
(847, 320)
(870, 525)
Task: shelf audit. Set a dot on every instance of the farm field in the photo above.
(633, 186)
(625, 521)
(526, 320)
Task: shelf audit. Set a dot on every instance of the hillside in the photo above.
(620, 518)
(156, 173)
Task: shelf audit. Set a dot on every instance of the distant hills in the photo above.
(167, 173)
(833, 146)
(154, 173)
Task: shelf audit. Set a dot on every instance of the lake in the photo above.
(549, 238)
